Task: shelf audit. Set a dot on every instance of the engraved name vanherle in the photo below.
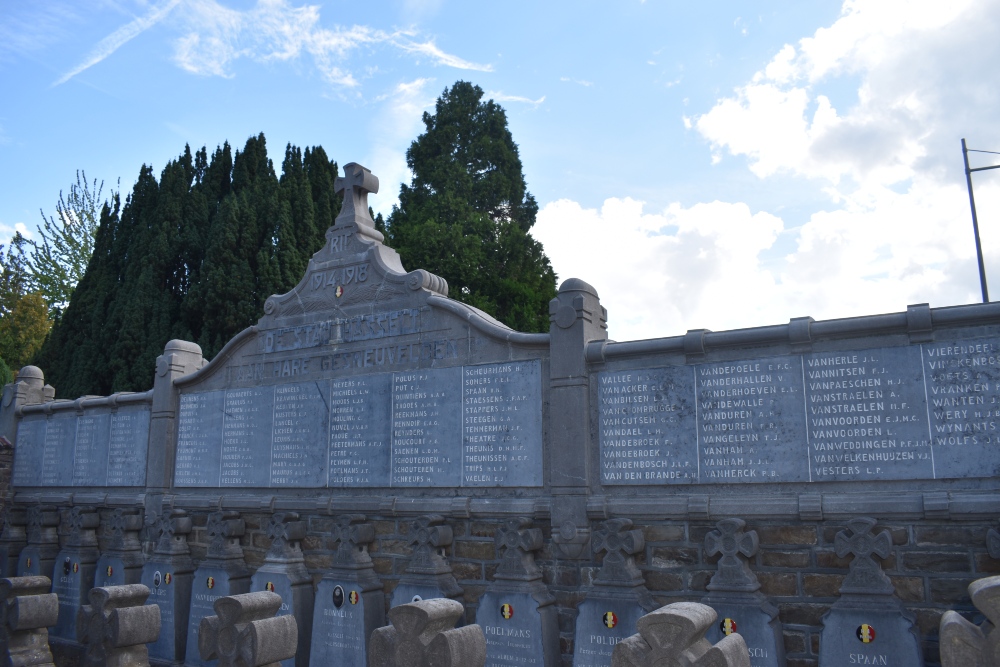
(342, 330)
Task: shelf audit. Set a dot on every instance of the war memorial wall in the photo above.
(367, 393)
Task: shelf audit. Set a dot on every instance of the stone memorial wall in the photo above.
(366, 396)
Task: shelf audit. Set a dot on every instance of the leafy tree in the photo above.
(467, 213)
(24, 319)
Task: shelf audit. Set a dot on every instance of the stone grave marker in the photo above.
(517, 612)
(428, 575)
(121, 563)
(675, 635)
(222, 573)
(993, 543)
(284, 572)
(617, 599)
(244, 632)
(350, 604)
(13, 539)
(75, 568)
(964, 644)
(868, 625)
(168, 576)
(423, 634)
(734, 594)
(117, 625)
(27, 608)
(39, 557)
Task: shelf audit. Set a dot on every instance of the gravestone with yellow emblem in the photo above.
(617, 599)
(734, 594)
(121, 562)
(39, 556)
(168, 576)
(350, 603)
(868, 624)
(75, 568)
(517, 612)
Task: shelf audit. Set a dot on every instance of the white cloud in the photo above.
(440, 57)
(498, 96)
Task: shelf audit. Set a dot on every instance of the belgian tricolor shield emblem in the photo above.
(210, 582)
(167, 578)
(507, 611)
(269, 586)
(865, 633)
(110, 570)
(610, 619)
(728, 626)
(76, 567)
(353, 597)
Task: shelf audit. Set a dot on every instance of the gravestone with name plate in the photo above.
(617, 599)
(39, 557)
(284, 572)
(75, 568)
(121, 562)
(222, 573)
(734, 594)
(868, 625)
(428, 574)
(517, 612)
(168, 575)
(350, 604)
(13, 539)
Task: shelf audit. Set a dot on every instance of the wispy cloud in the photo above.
(501, 97)
(581, 82)
(440, 57)
(115, 40)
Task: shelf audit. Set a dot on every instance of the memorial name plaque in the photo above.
(513, 629)
(927, 411)
(338, 635)
(601, 623)
(443, 427)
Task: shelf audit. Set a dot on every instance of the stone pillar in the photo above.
(246, 633)
(117, 625)
(75, 568)
(168, 576)
(121, 563)
(349, 601)
(675, 635)
(964, 644)
(13, 539)
(39, 556)
(29, 389)
(284, 572)
(428, 575)
(26, 610)
(423, 633)
(577, 318)
(179, 358)
(517, 612)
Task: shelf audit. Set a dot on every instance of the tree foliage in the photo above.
(467, 213)
(24, 320)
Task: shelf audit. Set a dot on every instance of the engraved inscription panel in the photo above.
(360, 431)
(426, 431)
(90, 457)
(28, 454)
(57, 452)
(298, 440)
(199, 446)
(128, 447)
(246, 446)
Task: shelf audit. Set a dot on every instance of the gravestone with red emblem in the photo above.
(284, 572)
(517, 612)
(349, 600)
(428, 575)
(168, 576)
(121, 562)
(868, 624)
(39, 557)
(222, 573)
(617, 599)
(75, 568)
(734, 594)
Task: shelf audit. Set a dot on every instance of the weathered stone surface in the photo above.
(27, 608)
(964, 644)
(168, 576)
(13, 539)
(75, 569)
(423, 634)
(39, 556)
(246, 633)
(121, 562)
(675, 635)
(117, 625)
(428, 574)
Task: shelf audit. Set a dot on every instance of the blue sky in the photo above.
(704, 165)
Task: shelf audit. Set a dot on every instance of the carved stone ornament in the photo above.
(518, 541)
(82, 523)
(430, 535)
(964, 644)
(171, 526)
(123, 528)
(865, 576)
(675, 635)
(42, 523)
(353, 536)
(286, 533)
(224, 530)
(620, 545)
(26, 610)
(735, 545)
(423, 634)
(116, 626)
(246, 633)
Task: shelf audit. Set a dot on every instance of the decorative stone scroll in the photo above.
(13, 539)
(735, 596)
(868, 624)
(284, 572)
(117, 625)
(27, 608)
(517, 612)
(350, 604)
(618, 597)
(39, 557)
(168, 577)
(428, 575)
(423, 634)
(121, 563)
(246, 633)
(75, 568)
(964, 644)
(675, 635)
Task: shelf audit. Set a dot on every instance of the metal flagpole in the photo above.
(975, 219)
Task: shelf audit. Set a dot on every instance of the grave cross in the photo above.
(117, 625)
(993, 543)
(866, 576)
(964, 644)
(518, 540)
(124, 526)
(224, 530)
(27, 608)
(430, 535)
(246, 633)
(41, 520)
(423, 634)
(620, 544)
(356, 183)
(172, 527)
(82, 523)
(352, 535)
(731, 541)
(285, 531)
(674, 635)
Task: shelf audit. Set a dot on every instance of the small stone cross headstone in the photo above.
(428, 575)
(121, 563)
(356, 183)
(350, 603)
(75, 568)
(13, 539)
(246, 633)
(964, 644)
(734, 595)
(39, 557)
(423, 634)
(619, 544)
(675, 635)
(27, 608)
(117, 625)
(865, 575)
(168, 575)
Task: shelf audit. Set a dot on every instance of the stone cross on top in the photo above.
(352, 534)
(731, 541)
(286, 533)
(117, 625)
(172, 527)
(356, 183)
(224, 530)
(866, 576)
(519, 541)
(429, 534)
(123, 528)
(83, 523)
(620, 544)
